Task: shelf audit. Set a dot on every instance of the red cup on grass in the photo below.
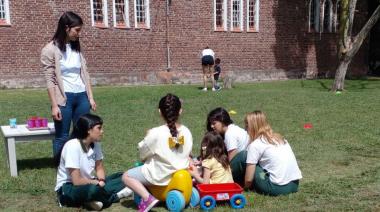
(307, 126)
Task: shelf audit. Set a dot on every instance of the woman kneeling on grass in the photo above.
(82, 157)
(271, 168)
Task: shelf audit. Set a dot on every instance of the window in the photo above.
(314, 15)
(237, 15)
(327, 16)
(220, 15)
(4, 12)
(337, 16)
(99, 13)
(142, 19)
(121, 13)
(253, 15)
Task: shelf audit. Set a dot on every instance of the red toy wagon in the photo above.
(210, 193)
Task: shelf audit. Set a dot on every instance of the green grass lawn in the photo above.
(339, 157)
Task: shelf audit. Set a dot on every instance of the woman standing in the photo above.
(68, 82)
(208, 62)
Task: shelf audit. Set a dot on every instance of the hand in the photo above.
(193, 170)
(56, 113)
(101, 183)
(93, 104)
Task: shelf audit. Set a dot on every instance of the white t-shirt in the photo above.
(236, 138)
(208, 52)
(278, 160)
(70, 65)
(74, 157)
(161, 161)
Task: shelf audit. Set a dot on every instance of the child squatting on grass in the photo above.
(271, 168)
(82, 157)
(214, 160)
(164, 150)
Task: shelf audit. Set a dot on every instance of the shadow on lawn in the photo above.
(39, 163)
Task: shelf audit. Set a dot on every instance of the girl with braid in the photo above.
(164, 150)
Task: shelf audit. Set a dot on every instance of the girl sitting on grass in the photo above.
(164, 150)
(214, 161)
(271, 167)
(81, 158)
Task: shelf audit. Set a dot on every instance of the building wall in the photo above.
(283, 48)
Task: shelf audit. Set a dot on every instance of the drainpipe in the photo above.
(168, 68)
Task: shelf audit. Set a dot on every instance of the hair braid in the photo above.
(170, 105)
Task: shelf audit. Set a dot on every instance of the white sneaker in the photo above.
(125, 192)
(94, 205)
(213, 89)
(204, 89)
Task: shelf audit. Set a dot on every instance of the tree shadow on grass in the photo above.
(39, 163)
(321, 85)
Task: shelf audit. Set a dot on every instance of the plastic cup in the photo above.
(13, 122)
(44, 122)
(38, 122)
(31, 123)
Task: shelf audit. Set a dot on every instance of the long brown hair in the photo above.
(257, 125)
(170, 107)
(215, 148)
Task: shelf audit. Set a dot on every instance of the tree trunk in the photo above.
(340, 74)
(348, 50)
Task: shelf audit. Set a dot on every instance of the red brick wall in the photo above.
(283, 48)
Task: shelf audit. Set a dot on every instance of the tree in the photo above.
(349, 45)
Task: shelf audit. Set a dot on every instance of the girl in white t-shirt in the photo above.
(164, 150)
(235, 138)
(81, 178)
(271, 166)
(214, 161)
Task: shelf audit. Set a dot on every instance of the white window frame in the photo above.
(331, 14)
(147, 15)
(126, 14)
(316, 16)
(224, 16)
(6, 20)
(105, 14)
(257, 16)
(336, 16)
(240, 16)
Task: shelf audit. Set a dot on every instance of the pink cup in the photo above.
(38, 122)
(44, 122)
(31, 123)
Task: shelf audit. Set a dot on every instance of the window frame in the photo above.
(317, 25)
(103, 24)
(337, 16)
(126, 23)
(6, 21)
(256, 17)
(146, 24)
(331, 14)
(240, 28)
(224, 16)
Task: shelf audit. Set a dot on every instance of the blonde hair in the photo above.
(257, 125)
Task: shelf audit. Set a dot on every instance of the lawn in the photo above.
(339, 157)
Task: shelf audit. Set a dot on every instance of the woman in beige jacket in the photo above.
(68, 82)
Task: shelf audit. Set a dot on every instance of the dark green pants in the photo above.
(261, 183)
(74, 196)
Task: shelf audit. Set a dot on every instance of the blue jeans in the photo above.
(77, 104)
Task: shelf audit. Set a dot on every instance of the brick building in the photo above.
(159, 41)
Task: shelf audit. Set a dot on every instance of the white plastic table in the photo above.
(21, 134)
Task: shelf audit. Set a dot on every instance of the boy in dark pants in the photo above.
(217, 70)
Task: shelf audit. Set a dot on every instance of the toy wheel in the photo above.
(194, 199)
(175, 201)
(207, 203)
(238, 201)
(136, 198)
